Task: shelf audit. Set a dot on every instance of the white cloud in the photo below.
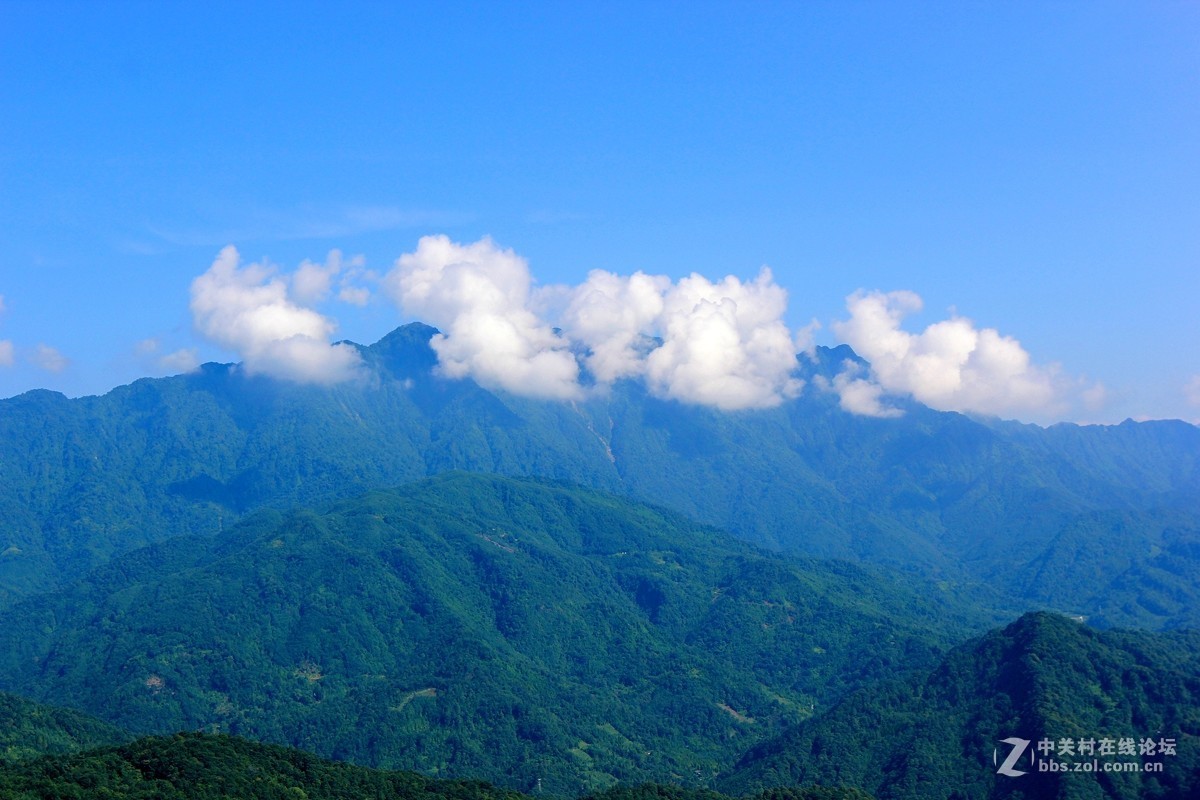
(806, 338)
(1191, 391)
(354, 295)
(182, 360)
(248, 310)
(478, 295)
(312, 283)
(720, 344)
(724, 344)
(611, 315)
(716, 343)
(1094, 397)
(859, 395)
(951, 365)
(49, 359)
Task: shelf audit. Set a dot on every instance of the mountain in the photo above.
(200, 767)
(477, 626)
(1044, 677)
(30, 729)
(215, 767)
(1102, 521)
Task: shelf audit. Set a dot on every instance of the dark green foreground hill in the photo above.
(207, 767)
(477, 626)
(1044, 677)
(29, 729)
(202, 767)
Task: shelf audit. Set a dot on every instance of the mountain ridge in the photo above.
(1041, 678)
(937, 493)
(476, 625)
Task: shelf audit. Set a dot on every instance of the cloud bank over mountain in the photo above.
(721, 343)
(479, 296)
(951, 365)
(247, 309)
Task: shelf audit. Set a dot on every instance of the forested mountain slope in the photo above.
(1042, 678)
(217, 767)
(1101, 521)
(473, 625)
(29, 729)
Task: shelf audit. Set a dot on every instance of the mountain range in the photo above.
(476, 625)
(417, 573)
(1101, 521)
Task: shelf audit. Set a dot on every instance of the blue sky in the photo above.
(1032, 168)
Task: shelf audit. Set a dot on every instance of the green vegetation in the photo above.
(197, 553)
(659, 792)
(1098, 521)
(202, 767)
(477, 626)
(198, 766)
(30, 729)
(1043, 677)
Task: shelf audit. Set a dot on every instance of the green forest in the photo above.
(217, 585)
(201, 766)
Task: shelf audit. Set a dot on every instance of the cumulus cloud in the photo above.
(716, 343)
(1191, 391)
(479, 296)
(182, 360)
(724, 344)
(48, 358)
(612, 315)
(248, 309)
(312, 283)
(720, 343)
(951, 365)
(858, 394)
(178, 361)
(354, 295)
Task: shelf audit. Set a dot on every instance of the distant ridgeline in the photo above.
(1102, 522)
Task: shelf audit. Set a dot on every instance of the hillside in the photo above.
(30, 729)
(1044, 677)
(477, 626)
(200, 767)
(214, 767)
(1100, 521)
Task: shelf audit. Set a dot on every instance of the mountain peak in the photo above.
(405, 351)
